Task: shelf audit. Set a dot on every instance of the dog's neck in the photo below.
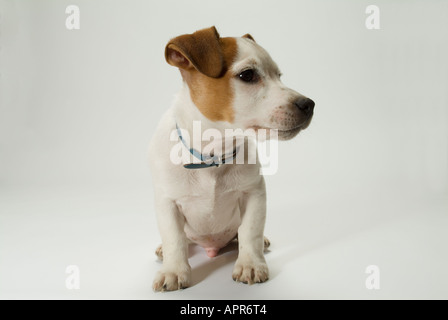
(186, 112)
(188, 116)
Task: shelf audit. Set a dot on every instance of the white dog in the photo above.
(228, 83)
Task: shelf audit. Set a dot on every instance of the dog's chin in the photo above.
(288, 134)
(283, 133)
(291, 133)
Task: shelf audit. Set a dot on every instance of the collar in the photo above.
(207, 161)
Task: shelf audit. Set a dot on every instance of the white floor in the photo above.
(321, 246)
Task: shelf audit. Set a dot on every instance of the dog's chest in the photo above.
(207, 193)
(211, 208)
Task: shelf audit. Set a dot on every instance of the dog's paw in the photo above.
(170, 280)
(250, 271)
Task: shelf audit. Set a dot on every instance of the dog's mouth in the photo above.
(289, 133)
(281, 134)
(284, 133)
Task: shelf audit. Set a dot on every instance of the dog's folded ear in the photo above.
(200, 50)
(248, 36)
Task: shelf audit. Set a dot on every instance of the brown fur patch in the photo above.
(214, 96)
(201, 50)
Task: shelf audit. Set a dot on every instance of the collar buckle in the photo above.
(206, 161)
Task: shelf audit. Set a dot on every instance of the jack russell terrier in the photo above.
(228, 83)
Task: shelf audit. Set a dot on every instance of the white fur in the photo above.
(211, 206)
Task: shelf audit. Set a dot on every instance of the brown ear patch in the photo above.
(202, 50)
(214, 96)
(175, 57)
(204, 60)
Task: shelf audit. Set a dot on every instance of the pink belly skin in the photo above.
(212, 252)
(213, 243)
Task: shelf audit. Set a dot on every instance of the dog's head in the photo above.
(235, 80)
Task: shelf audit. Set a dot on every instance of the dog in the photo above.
(228, 83)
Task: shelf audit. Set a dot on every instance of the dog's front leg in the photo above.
(176, 272)
(251, 267)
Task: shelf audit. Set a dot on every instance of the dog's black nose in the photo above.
(305, 105)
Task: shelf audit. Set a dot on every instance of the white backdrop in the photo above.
(365, 184)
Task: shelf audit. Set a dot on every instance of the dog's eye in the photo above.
(248, 75)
